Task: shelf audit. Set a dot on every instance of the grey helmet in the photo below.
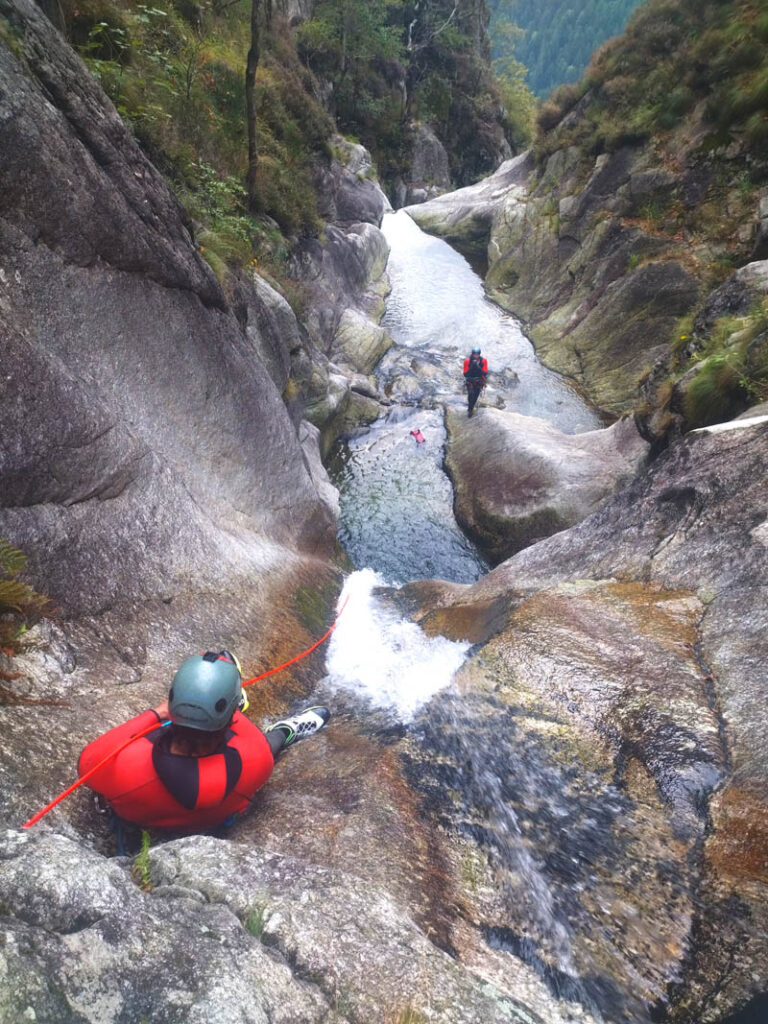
(476, 351)
(205, 691)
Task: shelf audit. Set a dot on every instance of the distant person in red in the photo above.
(475, 372)
(205, 760)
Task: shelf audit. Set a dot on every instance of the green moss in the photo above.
(716, 392)
(733, 369)
(682, 336)
(254, 921)
(11, 38)
(313, 605)
(141, 871)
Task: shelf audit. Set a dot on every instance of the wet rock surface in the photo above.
(590, 254)
(635, 648)
(518, 479)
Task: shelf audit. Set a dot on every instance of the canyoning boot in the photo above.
(298, 727)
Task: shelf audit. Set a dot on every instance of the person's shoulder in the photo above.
(243, 726)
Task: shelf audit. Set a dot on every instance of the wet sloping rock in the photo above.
(148, 466)
(602, 256)
(157, 410)
(633, 658)
(584, 810)
(518, 479)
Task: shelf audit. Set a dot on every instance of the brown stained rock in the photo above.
(620, 658)
(475, 622)
(107, 669)
(518, 479)
(604, 745)
(738, 849)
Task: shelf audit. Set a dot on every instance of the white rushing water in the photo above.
(385, 659)
(438, 307)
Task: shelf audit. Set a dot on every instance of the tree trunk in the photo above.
(250, 103)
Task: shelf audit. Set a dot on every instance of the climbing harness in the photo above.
(159, 724)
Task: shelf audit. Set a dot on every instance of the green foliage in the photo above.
(254, 921)
(554, 39)
(369, 49)
(716, 391)
(355, 45)
(519, 102)
(19, 603)
(732, 368)
(678, 59)
(561, 102)
(141, 870)
(176, 75)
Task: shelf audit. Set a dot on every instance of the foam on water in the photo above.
(385, 659)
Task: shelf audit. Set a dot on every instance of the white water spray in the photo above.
(386, 659)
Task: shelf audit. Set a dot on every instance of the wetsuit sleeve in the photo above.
(466, 366)
(109, 741)
(485, 366)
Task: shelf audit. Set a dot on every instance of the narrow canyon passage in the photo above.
(397, 525)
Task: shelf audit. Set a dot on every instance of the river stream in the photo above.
(397, 525)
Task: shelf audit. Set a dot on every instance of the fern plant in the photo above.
(18, 601)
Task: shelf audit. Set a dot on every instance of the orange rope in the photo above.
(70, 789)
(89, 773)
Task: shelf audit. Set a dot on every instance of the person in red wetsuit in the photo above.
(205, 760)
(475, 373)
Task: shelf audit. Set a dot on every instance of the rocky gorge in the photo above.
(571, 830)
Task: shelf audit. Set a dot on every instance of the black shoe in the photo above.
(298, 727)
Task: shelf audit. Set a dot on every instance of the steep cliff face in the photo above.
(148, 466)
(135, 400)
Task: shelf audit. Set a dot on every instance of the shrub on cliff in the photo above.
(19, 603)
(675, 55)
(731, 365)
(176, 75)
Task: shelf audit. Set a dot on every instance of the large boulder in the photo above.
(346, 270)
(348, 190)
(359, 341)
(518, 479)
(464, 217)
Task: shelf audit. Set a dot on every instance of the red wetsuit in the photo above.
(148, 785)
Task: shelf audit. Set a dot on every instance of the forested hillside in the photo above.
(554, 39)
(176, 73)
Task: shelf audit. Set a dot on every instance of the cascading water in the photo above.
(385, 659)
(397, 525)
